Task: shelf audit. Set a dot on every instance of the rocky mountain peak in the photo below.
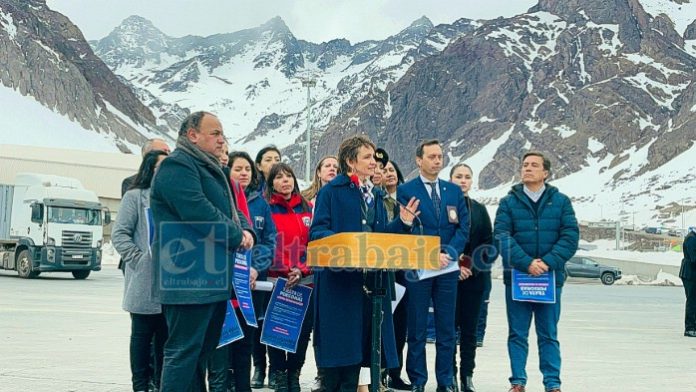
(276, 25)
(66, 76)
(135, 40)
(421, 23)
(138, 26)
(629, 15)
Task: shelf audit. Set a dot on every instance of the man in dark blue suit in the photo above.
(444, 214)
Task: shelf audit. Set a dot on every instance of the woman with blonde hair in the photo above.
(326, 170)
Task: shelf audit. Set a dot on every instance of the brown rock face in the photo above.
(48, 58)
(573, 78)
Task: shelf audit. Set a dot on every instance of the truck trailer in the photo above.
(50, 224)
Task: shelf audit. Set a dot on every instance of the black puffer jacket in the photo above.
(688, 266)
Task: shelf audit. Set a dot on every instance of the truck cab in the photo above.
(55, 225)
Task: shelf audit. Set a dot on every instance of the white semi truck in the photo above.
(50, 223)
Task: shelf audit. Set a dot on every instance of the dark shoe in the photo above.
(418, 388)
(398, 383)
(293, 380)
(468, 385)
(281, 380)
(258, 378)
(271, 379)
(517, 388)
(449, 388)
(691, 334)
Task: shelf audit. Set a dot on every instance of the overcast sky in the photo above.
(312, 20)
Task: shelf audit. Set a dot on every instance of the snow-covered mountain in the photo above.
(252, 79)
(55, 92)
(605, 87)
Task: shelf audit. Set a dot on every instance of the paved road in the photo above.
(58, 334)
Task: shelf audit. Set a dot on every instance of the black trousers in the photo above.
(690, 309)
(400, 323)
(340, 379)
(146, 330)
(258, 349)
(283, 360)
(236, 356)
(194, 332)
(466, 321)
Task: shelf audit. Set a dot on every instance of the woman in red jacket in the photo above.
(292, 215)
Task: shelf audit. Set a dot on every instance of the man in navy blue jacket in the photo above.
(444, 214)
(198, 229)
(536, 232)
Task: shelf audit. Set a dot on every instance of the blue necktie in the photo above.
(366, 195)
(435, 197)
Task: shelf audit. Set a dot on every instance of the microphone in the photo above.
(417, 218)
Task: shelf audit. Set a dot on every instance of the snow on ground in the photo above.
(607, 249)
(662, 279)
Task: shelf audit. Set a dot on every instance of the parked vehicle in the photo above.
(585, 267)
(653, 230)
(50, 223)
(676, 233)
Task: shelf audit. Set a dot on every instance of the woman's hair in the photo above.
(348, 151)
(143, 179)
(284, 168)
(254, 183)
(457, 166)
(314, 187)
(399, 176)
(259, 158)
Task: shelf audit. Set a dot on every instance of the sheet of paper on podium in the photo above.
(427, 274)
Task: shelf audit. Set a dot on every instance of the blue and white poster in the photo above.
(530, 288)
(231, 330)
(284, 316)
(242, 288)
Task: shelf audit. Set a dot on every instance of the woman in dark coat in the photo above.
(342, 324)
(242, 171)
(475, 276)
(392, 179)
(265, 159)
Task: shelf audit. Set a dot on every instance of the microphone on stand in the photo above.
(417, 218)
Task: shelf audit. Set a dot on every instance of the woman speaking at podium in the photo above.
(342, 331)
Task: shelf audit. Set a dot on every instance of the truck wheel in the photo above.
(25, 266)
(82, 274)
(608, 278)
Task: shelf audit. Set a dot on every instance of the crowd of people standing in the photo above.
(221, 201)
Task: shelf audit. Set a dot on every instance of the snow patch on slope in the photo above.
(40, 126)
(680, 14)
